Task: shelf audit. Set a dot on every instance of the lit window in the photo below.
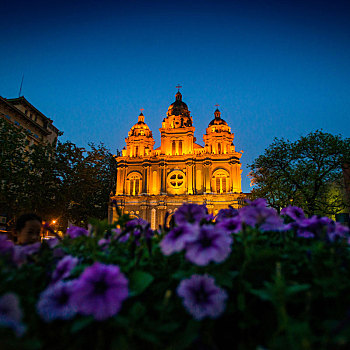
(221, 181)
(134, 184)
(176, 179)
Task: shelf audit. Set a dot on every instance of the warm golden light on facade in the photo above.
(151, 182)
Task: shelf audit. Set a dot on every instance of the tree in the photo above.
(306, 173)
(86, 178)
(68, 183)
(13, 168)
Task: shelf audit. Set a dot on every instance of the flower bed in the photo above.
(250, 279)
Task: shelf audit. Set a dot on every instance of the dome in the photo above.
(178, 107)
(217, 120)
(140, 128)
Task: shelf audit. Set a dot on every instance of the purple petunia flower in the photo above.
(75, 231)
(336, 230)
(117, 233)
(259, 202)
(190, 213)
(226, 214)
(52, 242)
(231, 224)
(201, 297)
(265, 218)
(11, 314)
(103, 243)
(305, 234)
(137, 222)
(58, 253)
(100, 291)
(295, 213)
(139, 228)
(22, 253)
(64, 268)
(6, 246)
(211, 244)
(177, 238)
(55, 302)
(313, 227)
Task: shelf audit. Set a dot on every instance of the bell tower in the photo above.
(177, 132)
(218, 138)
(140, 141)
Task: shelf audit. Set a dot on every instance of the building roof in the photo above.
(25, 102)
(11, 106)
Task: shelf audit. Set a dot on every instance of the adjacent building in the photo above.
(39, 129)
(152, 182)
(21, 113)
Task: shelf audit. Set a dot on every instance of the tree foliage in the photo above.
(69, 183)
(86, 178)
(306, 173)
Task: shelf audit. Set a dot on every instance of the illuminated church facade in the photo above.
(153, 181)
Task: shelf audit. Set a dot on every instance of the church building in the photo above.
(153, 181)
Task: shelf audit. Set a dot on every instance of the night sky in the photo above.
(276, 68)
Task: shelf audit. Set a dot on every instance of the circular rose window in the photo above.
(176, 179)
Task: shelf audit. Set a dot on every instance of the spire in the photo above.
(178, 95)
(141, 116)
(217, 113)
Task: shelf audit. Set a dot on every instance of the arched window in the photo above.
(134, 184)
(221, 181)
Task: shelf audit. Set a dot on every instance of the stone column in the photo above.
(119, 186)
(207, 165)
(123, 189)
(144, 178)
(149, 182)
(190, 166)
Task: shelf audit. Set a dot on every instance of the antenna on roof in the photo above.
(20, 89)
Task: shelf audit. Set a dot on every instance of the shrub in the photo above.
(247, 279)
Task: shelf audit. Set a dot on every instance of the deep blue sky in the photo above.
(277, 68)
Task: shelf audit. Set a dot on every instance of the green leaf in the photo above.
(168, 327)
(139, 281)
(80, 324)
(137, 311)
(225, 279)
(187, 337)
(297, 288)
(264, 294)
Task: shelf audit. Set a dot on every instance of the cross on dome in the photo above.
(141, 116)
